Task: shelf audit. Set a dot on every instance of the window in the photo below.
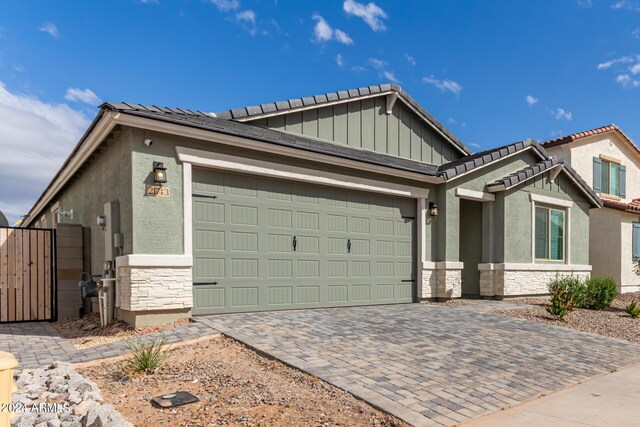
(549, 234)
(635, 240)
(609, 177)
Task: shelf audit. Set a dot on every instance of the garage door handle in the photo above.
(408, 280)
(205, 196)
(205, 283)
(295, 243)
(349, 246)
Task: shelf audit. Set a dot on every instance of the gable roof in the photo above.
(200, 120)
(525, 174)
(597, 131)
(457, 168)
(330, 98)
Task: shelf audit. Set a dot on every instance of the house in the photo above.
(610, 163)
(348, 198)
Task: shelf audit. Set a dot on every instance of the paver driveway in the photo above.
(427, 364)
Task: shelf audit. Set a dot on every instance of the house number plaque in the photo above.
(158, 191)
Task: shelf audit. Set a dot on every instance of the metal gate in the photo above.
(28, 289)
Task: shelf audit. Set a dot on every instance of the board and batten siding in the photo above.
(365, 124)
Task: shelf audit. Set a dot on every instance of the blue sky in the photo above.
(492, 71)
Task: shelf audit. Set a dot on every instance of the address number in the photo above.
(158, 191)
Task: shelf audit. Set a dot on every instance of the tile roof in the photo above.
(200, 120)
(295, 103)
(526, 173)
(466, 164)
(633, 206)
(597, 131)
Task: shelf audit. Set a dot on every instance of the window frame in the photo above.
(609, 162)
(564, 234)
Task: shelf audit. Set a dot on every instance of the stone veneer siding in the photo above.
(441, 280)
(154, 288)
(504, 282)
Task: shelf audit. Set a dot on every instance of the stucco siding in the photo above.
(365, 124)
(107, 178)
(605, 250)
(580, 154)
(518, 220)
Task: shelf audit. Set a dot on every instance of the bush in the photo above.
(633, 310)
(560, 305)
(573, 286)
(147, 355)
(600, 292)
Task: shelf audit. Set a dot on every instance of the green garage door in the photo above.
(261, 244)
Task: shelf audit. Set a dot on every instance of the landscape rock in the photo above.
(59, 384)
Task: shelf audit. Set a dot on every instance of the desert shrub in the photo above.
(147, 355)
(560, 304)
(572, 286)
(600, 292)
(633, 310)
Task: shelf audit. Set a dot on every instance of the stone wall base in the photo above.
(505, 280)
(442, 280)
(153, 289)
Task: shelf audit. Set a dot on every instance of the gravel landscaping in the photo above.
(612, 322)
(58, 396)
(236, 386)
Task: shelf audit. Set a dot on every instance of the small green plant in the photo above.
(573, 286)
(600, 292)
(633, 310)
(147, 354)
(560, 304)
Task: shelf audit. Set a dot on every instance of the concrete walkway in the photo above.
(609, 400)
(36, 344)
(430, 365)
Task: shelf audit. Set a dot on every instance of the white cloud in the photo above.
(78, 95)
(626, 81)
(370, 13)
(531, 100)
(247, 15)
(358, 68)
(621, 60)
(226, 5)
(562, 114)
(636, 33)
(625, 5)
(340, 60)
(322, 32)
(377, 63)
(474, 145)
(35, 139)
(635, 69)
(50, 28)
(342, 37)
(444, 85)
(455, 122)
(389, 75)
(585, 3)
(410, 59)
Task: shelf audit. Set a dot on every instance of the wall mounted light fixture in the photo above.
(159, 173)
(433, 209)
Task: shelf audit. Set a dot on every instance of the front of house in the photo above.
(349, 198)
(610, 163)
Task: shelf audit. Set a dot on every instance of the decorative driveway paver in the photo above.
(37, 344)
(429, 365)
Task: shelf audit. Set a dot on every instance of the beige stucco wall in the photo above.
(580, 155)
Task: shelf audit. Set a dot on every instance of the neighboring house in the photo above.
(349, 198)
(610, 163)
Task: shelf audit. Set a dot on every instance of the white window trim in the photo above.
(54, 214)
(557, 204)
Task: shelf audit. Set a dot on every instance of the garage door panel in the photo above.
(243, 241)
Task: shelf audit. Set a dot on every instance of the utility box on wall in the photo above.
(112, 237)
